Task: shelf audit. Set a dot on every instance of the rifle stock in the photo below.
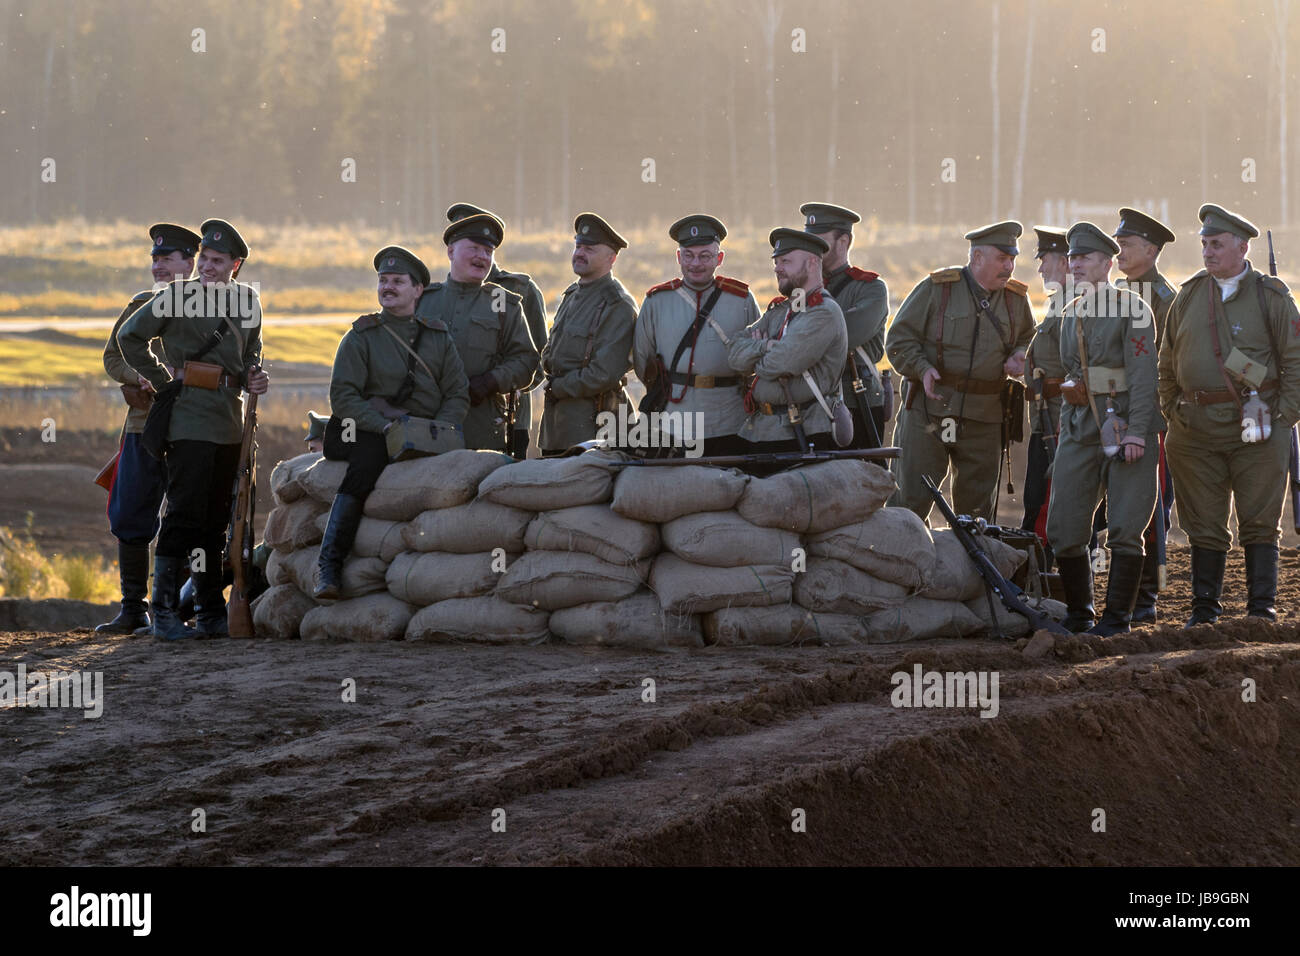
(239, 617)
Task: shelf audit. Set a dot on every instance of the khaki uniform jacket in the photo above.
(486, 322)
(1045, 352)
(585, 359)
(200, 414)
(864, 300)
(1187, 360)
(369, 364)
(1118, 333)
(523, 285)
(122, 373)
(1158, 292)
(667, 313)
(912, 349)
(814, 340)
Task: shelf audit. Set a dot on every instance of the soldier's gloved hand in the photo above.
(928, 381)
(480, 387)
(1015, 365)
(1134, 449)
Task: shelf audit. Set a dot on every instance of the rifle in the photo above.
(967, 529)
(796, 420)
(1293, 462)
(1044, 416)
(239, 619)
(763, 458)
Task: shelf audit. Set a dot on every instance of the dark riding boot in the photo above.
(133, 567)
(1121, 591)
(167, 625)
(340, 532)
(1261, 580)
(209, 604)
(1144, 610)
(1076, 579)
(1207, 583)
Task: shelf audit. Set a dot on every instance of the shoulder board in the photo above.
(734, 286)
(571, 287)
(1164, 290)
(142, 295)
(1017, 287)
(815, 299)
(431, 323)
(370, 321)
(433, 286)
(489, 286)
(777, 301)
(1200, 275)
(862, 275)
(1276, 284)
(950, 274)
(668, 286)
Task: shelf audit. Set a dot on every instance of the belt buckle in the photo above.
(704, 381)
(859, 386)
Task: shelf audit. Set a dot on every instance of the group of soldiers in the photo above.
(468, 350)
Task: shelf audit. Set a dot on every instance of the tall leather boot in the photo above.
(340, 532)
(1121, 591)
(133, 568)
(1261, 580)
(167, 624)
(1144, 610)
(1076, 579)
(209, 604)
(1207, 583)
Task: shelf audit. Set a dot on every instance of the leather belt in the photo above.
(1220, 396)
(972, 386)
(226, 380)
(704, 381)
(767, 408)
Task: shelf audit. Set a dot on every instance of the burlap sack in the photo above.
(893, 545)
(406, 488)
(322, 479)
(293, 526)
(723, 539)
(662, 493)
(636, 622)
(920, 618)
(278, 612)
(424, 578)
(830, 585)
(361, 576)
(375, 617)
(548, 484)
(285, 486)
(955, 575)
(557, 579)
(474, 527)
(1010, 623)
(781, 624)
(481, 620)
(816, 498)
(685, 588)
(375, 538)
(593, 529)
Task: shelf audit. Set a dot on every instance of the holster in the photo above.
(137, 397)
(1074, 392)
(203, 375)
(1013, 411)
(608, 401)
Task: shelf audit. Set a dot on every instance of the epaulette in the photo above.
(1164, 290)
(862, 275)
(734, 286)
(1017, 287)
(142, 296)
(950, 274)
(370, 321)
(429, 322)
(777, 301)
(668, 286)
(490, 284)
(815, 299)
(571, 287)
(1200, 275)
(1276, 284)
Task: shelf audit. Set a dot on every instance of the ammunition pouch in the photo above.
(413, 437)
(1074, 393)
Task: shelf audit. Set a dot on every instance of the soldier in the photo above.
(1140, 240)
(1108, 421)
(390, 363)
(864, 300)
(1231, 342)
(220, 327)
(522, 285)
(956, 338)
(1044, 374)
(486, 322)
(673, 329)
(136, 495)
(802, 331)
(590, 348)
(316, 432)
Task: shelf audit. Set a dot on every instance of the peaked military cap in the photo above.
(401, 260)
(785, 240)
(697, 230)
(460, 210)
(1000, 235)
(1086, 237)
(168, 237)
(589, 230)
(823, 217)
(1132, 222)
(223, 237)
(316, 425)
(481, 227)
(1216, 219)
(1050, 239)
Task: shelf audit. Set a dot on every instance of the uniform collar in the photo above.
(457, 286)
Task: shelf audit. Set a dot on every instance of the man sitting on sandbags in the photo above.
(389, 364)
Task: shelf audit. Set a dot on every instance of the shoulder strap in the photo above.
(943, 309)
(1218, 351)
(1272, 339)
(692, 335)
(841, 283)
(414, 358)
(1083, 363)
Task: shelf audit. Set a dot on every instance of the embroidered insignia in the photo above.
(1139, 345)
(216, 236)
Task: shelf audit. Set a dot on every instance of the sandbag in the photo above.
(955, 575)
(361, 576)
(558, 579)
(482, 620)
(285, 486)
(920, 618)
(893, 545)
(1010, 623)
(781, 624)
(686, 588)
(278, 612)
(375, 538)
(294, 525)
(548, 484)
(593, 529)
(723, 539)
(424, 578)
(662, 493)
(474, 527)
(406, 488)
(835, 586)
(322, 479)
(637, 622)
(816, 498)
(375, 617)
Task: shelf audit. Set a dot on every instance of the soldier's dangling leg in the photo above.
(976, 467)
(924, 452)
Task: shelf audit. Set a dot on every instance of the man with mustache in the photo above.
(486, 322)
(590, 348)
(956, 338)
(136, 494)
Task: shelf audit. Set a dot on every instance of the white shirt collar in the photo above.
(1229, 286)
